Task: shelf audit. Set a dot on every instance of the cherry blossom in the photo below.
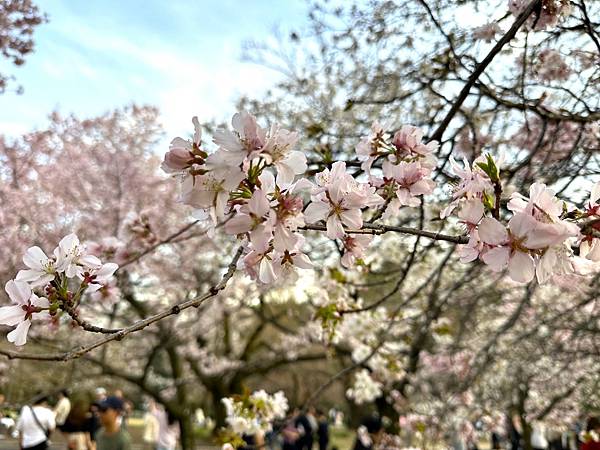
(72, 258)
(408, 142)
(355, 247)
(26, 306)
(368, 149)
(209, 193)
(549, 13)
(254, 413)
(41, 270)
(338, 201)
(407, 181)
(249, 140)
(184, 154)
(100, 277)
(487, 32)
(365, 389)
(551, 66)
(473, 183)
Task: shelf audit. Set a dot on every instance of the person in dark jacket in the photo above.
(302, 424)
(322, 430)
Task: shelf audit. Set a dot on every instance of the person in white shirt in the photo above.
(168, 430)
(62, 408)
(35, 424)
(538, 436)
(150, 426)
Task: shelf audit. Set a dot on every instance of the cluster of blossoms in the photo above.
(405, 175)
(406, 167)
(60, 279)
(249, 179)
(254, 413)
(249, 184)
(365, 389)
(537, 239)
(551, 66)
(554, 140)
(547, 16)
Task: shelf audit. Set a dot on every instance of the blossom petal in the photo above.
(334, 228)
(492, 232)
(497, 258)
(11, 315)
(316, 211)
(521, 267)
(35, 258)
(18, 291)
(18, 336)
(352, 218)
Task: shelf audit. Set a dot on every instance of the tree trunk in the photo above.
(188, 437)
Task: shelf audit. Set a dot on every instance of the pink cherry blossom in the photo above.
(472, 183)
(487, 32)
(409, 141)
(97, 278)
(408, 180)
(210, 192)
(368, 149)
(507, 247)
(551, 66)
(339, 201)
(355, 247)
(26, 306)
(249, 140)
(547, 16)
(182, 153)
(286, 262)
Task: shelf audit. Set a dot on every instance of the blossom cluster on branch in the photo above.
(250, 184)
(255, 412)
(61, 280)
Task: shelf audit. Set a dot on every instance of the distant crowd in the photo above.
(100, 424)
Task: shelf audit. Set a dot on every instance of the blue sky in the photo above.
(180, 55)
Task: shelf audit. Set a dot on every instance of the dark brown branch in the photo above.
(439, 132)
(370, 228)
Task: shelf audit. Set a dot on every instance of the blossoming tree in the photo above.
(417, 210)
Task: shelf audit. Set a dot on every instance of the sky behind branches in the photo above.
(180, 55)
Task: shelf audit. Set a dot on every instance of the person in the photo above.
(290, 434)
(591, 438)
(538, 436)
(322, 430)
(168, 430)
(369, 433)
(100, 394)
(112, 436)
(150, 426)
(127, 407)
(35, 424)
(513, 431)
(302, 424)
(62, 408)
(78, 426)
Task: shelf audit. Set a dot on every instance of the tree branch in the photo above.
(136, 326)
(439, 132)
